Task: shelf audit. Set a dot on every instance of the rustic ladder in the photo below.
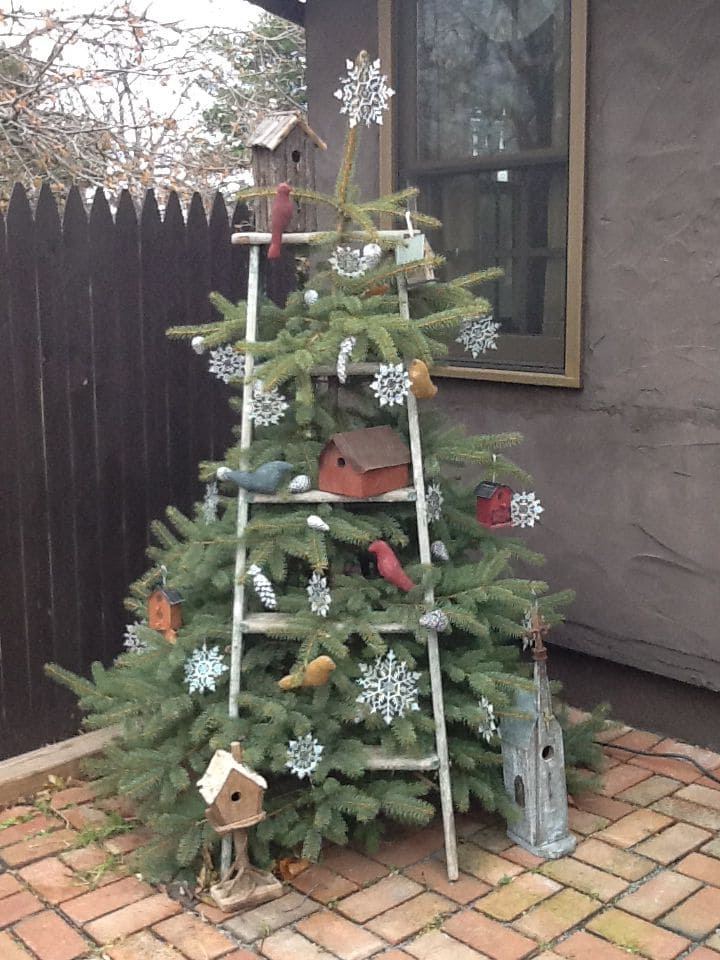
(243, 623)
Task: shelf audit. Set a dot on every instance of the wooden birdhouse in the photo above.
(165, 612)
(364, 463)
(534, 765)
(233, 792)
(283, 150)
(492, 507)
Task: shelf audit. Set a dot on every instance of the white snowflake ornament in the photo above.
(434, 500)
(439, 551)
(319, 595)
(210, 503)
(388, 687)
(391, 384)
(132, 641)
(262, 587)
(364, 92)
(488, 726)
(227, 364)
(267, 407)
(310, 297)
(478, 335)
(300, 484)
(525, 509)
(303, 755)
(346, 348)
(348, 262)
(202, 669)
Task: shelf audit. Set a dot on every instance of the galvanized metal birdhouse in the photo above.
(492, 507)
(283, 149)
(534, 765)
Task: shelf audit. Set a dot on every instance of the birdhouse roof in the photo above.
(371, 448)
(172, 596)
(219, 769)
(272, 130)
(487, 488)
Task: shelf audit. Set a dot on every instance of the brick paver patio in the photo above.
(644, 881)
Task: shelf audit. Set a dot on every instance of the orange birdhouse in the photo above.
(493, 504)
(364, 463)
(234, 794)
(165, 612)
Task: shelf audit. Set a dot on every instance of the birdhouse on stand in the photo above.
(492, 507)
(534, 764)
(283, 150)
(165, 612)
(234, 794)
(364, 463)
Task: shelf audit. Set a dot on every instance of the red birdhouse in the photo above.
(165, 612)
(493, 504)
(364, 463)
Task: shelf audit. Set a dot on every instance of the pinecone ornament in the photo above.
(435, 620)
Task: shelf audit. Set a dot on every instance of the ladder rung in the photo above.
(256, 238)
(267, 622)
(378, 760)
(402, 495)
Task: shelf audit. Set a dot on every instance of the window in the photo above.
(489, 124)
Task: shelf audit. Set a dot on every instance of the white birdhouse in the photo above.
(534, 766)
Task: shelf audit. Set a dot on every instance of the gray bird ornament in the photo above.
(266, 479)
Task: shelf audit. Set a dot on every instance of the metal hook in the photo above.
(163, 571)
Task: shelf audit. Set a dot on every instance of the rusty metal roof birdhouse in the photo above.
(364, 463)
(492, 507)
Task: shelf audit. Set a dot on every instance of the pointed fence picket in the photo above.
(103, 421)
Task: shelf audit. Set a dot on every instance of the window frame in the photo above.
(571, 377)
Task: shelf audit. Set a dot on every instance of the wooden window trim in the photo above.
(572, 375)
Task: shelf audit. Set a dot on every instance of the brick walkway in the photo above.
(644, 881)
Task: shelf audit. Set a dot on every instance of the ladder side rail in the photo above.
(238, 610)
(441, 743)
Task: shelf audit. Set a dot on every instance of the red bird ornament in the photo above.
(283, 210)
(389, 566)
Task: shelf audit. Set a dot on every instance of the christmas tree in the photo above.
(317, 693)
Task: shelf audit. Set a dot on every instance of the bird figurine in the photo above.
(283, 210)
(266, 479)
(315, 674)
(420, 383)
(389, 566)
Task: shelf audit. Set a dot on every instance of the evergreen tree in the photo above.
(311, 743)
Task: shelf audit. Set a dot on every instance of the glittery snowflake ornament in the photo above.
(434, 500)
(227, 364)
(132, 641)
(210, 503)
(478, 335)
(364, 92)
(303, 755)
(391, 384)
(525, 509)
(262, 587)
(202, 669)
(388, 687)
(348, 262)
(346, 348)
(319, 595)
(488, 726)
(267, 407)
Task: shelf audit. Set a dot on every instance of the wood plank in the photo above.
(377, 760)
(401, 495)
(221, 281)
(83, 494)
(201, 384)
(268, 622)
(23, 775)
(34, 555)
(256, 238)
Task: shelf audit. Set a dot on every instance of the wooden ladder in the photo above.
(243, 623)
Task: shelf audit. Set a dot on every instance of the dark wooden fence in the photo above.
(102, 423)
